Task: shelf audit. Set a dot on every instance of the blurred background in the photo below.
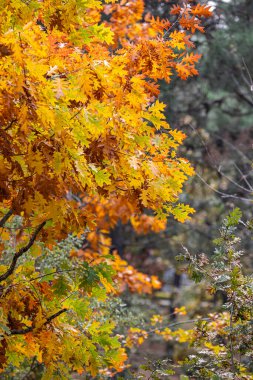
(215, 110)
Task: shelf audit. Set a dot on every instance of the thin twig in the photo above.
(10, 124)
(181, 323)
(223, 195)
(233, 182)
(244, 177)
(175, 23)
(248, 72)
(77, 113)
(30, 329)
(22, 250)
(238, 151)
(51, 273)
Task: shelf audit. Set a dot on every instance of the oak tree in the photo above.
(83, 142)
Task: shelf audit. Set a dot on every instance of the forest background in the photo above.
(215, 111)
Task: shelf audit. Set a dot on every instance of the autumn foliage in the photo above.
(84, 143)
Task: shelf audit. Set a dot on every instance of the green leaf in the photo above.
(5, 328)
(233, 218)
(89, 278)
(106, 271)
(80, 307)
(101, 177)
(103, 33)
(61, 287)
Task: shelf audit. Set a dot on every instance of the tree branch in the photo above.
(30, 329)
(5, 218)
(223, 195)
(244, 177)
(181, 323)
(22, 250)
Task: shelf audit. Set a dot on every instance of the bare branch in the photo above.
(218, 169)
(30, 329)
(21, 252)
(223, 195)
(244, 177)
(234, 183)
(183, 323)
(250, 83)
(5, 218)
(238, 151)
